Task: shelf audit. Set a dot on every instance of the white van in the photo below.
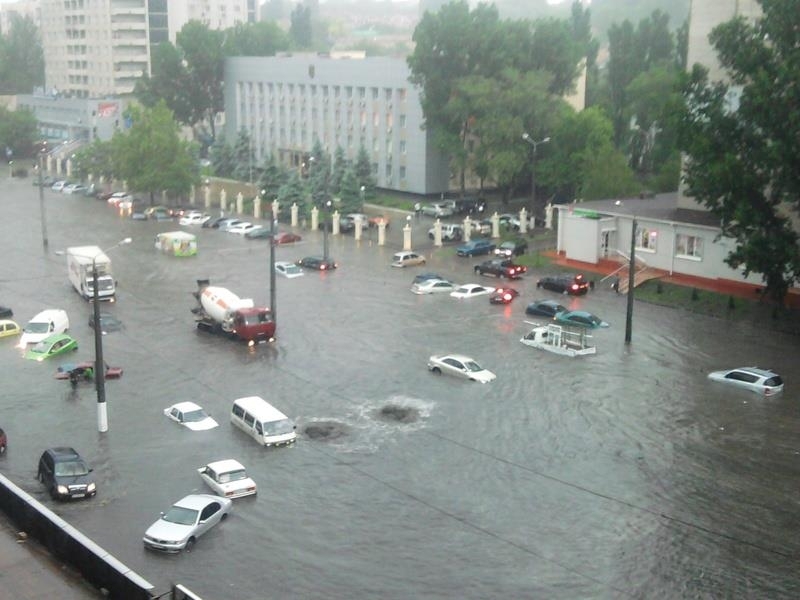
(45, 324)
(262, 421)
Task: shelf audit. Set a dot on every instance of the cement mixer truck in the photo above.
(222, 312)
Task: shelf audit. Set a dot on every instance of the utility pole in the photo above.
(631, 273)
(41, 201)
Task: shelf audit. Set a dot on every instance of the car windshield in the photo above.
(41, 347)
(258, 318)
(472, 366)
(71, 468)
(232, 476)
(36, 327)
(462, 290)
(774, 381)
(278, 427)
(293, 269)
(194, 415)
(180, 515)
(105, 284)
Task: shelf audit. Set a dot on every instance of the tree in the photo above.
(292, 192)
(262, 38)
(742, 142)
(340, 165)
(363, 171)
(21, 57)
(350, 193)
(272, 177)
(319, 176)
(300, 29)
(18, 131)
(243, 157)
(151, 156)
(95, 159)
(222, 159)
(202, 50)
(169, 82)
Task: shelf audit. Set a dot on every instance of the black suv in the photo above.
(65, 474)
(575, 285)
(512, 248)
(500, 267)
(318, 263)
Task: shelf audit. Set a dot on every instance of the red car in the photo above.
(85, 371)
(286, 238)
(503, 296)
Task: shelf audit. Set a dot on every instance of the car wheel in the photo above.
(538, 285)
(430, 236)
(436, 371)
(223, 517)
(477, 270)
(39, 477)
(564, 292)
(189, 544)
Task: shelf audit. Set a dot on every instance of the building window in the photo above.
(388, 171)
(402, 146)
(402, 173)
(374, 93)
(646, 239)
(403, 121)
(688, 246)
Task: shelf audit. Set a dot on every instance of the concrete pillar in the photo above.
(382, 234)
(359, 228)
(223, 200)
(294, 210)
(407, 237)
(548, 216)
(495, 225)
(69, 167)
(467, 228)
(335, 223)
(314, 218)
(239, 203)
(49, 161)
(257, 207)
(275, 209)
(523, 220)
(437, 233)
(91, 178)
(192, 195)
(163, 197)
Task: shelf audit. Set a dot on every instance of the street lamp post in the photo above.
(326, 207)
(272, 279)
(631, 267)
(535, 144)
(99, 363)
(40, 167)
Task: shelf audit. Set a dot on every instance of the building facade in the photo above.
(287, 103)
(73, 119)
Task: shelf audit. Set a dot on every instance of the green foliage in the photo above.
(271, 178)
(292, 192)
(222, 158)
(95, 159)
(18, 131)
(151, 156)
(363, 171)
(743, 145)
(300, 31)
(319, 176)
(263, 38)
(606, 174)
(169, 82)
(21, 57)
(340, 166)
(350, 200)
(244, 169)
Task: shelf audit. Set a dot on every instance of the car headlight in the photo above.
(63, 490)
(91, 487)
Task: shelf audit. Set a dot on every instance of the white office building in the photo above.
(287, 103)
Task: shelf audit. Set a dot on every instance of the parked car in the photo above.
(469, 205)
(471, 290)
(503, 296)
(193, 218)
(575, 285)
(286, 237)
(228, 478)
(213, 222)
(242, 228)
(65, 474)
(544, 308)
(761, 381)
(510, 222)
(288, 269)
(407, 259)
(581, 318)
(53, 345)
(450, 232)
(459, 366)
(5, 312)
(511, 248)
(500, 267)
(318, 263)
(187, 519)
(438, 210)
(9, 328)
(73, 188)
(158, 213)
(191, 416)
(475, 248)
(433, 286)
(423, 276)
(358, 218)
(108, 322)
(85, 371)
(59, 185)
(226, 224)
(115, 198)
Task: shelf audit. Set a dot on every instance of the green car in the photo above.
(58, 343)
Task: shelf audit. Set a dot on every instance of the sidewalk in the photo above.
(29, 572)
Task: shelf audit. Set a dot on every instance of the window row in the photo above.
(690, 246)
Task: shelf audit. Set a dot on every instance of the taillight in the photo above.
(575, 287)
(507, 297)
(322, 267)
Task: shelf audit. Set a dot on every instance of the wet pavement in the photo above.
(625, 474)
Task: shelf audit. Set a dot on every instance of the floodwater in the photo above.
(624, 474)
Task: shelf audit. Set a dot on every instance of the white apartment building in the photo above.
(98, 48)
(21, 8)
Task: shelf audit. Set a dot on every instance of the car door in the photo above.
(442, 286)
(209, 516)
(454, 367)
(176, 415)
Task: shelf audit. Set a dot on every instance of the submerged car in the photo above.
(471, 290)
(433, 286)
(187, 519)
(9, 328)
(228, 478)
(85, 371)
(318, 263)
(581, 318)
(425, 276)
(754, 379)
(288, 269)
(575, 285)
(108, 322)
(545, 308)
(191, 416)
(407, 259)
(476, 247)
(503, 296)
(53, 345)
(65, 474)
(459, 366)
(286, 237)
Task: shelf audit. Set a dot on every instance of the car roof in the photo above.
(461, 357)
(55, 337)
(63, 452)
(756, 371)
(284, 263)
(228, 464)
(197, 501)
(50, 313)
(184, 406)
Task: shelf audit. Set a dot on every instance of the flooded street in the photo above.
(624, 474)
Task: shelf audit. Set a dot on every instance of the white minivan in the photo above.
(262, 421)
(46, 323)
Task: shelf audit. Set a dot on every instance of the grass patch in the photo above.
(397, 202)
(697, 301)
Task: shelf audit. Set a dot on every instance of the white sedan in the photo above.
(471, 290)
(760, 381)
(194, 218)
(433, 286)
(459, 366)
(191, 416)
(288, 269)
(228, 478)
(187, 519)
(242, 228)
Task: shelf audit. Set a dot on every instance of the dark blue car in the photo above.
(476, 247)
